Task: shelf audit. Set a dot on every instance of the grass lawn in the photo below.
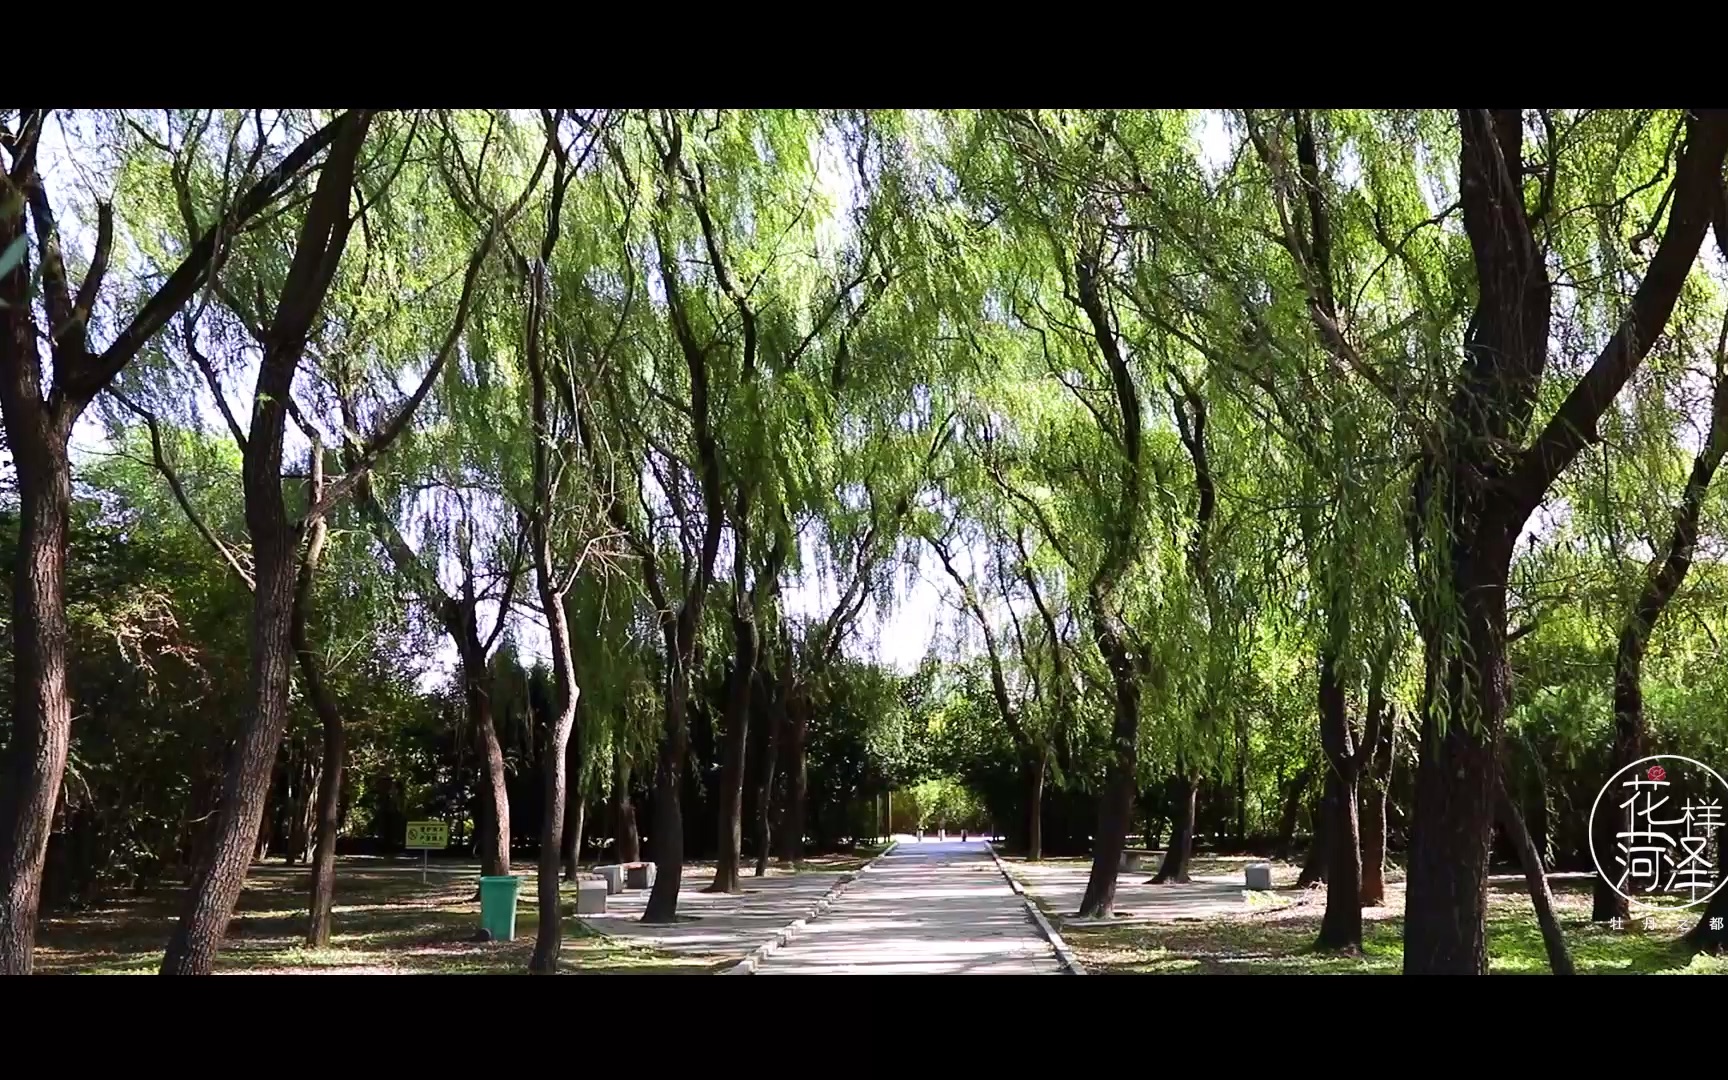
(1279, 940)
(386, 923)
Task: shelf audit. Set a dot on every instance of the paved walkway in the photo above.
(716, 926)
(923, 909)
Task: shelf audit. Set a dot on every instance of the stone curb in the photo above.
(748, 965)
(1064, 955)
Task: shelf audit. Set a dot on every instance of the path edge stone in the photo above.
(748, 965)
(1071, 964)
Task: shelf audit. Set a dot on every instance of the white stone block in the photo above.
(590, 896)
(640, 875)
(613, 875)
(1259, 875)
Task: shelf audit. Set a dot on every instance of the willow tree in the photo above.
(436, 502)
(864, 497)
(323, 236)
(790, 314)
(980, 538)
(670, 443)
(563, 352)
(1662, 579)
(40, 415)
(1482, 476)
(365, 321)
(1037, 175)
(1274, 255)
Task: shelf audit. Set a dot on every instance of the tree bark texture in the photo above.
(217, 883)
(770, 752)
(1553, 939)
(1482, 494)
(39, 420)
(322, 886)
(1341, 926)
(1185, 794)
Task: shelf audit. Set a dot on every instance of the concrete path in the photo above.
(719, 927)
(923, 909)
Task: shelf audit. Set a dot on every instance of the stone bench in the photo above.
(640, 875)
(1258, 876)
(1136, 859)
(591, 896)
(613, 876)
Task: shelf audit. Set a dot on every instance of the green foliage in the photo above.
(823, 342)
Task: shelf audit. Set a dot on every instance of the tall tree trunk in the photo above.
(495, 821)
(1341, 927)
(1379, 746)
(792, 820)
(323, 881)
(216, 885)
(679, 623)
(1035, 813)
(548, 942)
(1242, 792)
(41, 705)
(668, 838)
(1294, 792)
(39, 420)
(261, 850)
(1553, 939)
(627, 840)
(1185, 794)
(1376, 785)
(302, 806)
(550, 937)
(1447, 894)
(1116, 802)
(1480, 493)
(578, 822)
(735, 741)
(1127, 664)
(770, 751)
(575, 804)
(1373, 811)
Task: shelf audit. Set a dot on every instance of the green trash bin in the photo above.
(498, 906)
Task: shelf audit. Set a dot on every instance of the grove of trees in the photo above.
(559, 473)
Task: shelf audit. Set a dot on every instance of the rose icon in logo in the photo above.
(1657, 773)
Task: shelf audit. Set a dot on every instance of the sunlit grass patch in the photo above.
(1281, 941)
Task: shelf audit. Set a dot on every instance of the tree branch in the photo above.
(88, 378)
(1698, 189)
(159, 459)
